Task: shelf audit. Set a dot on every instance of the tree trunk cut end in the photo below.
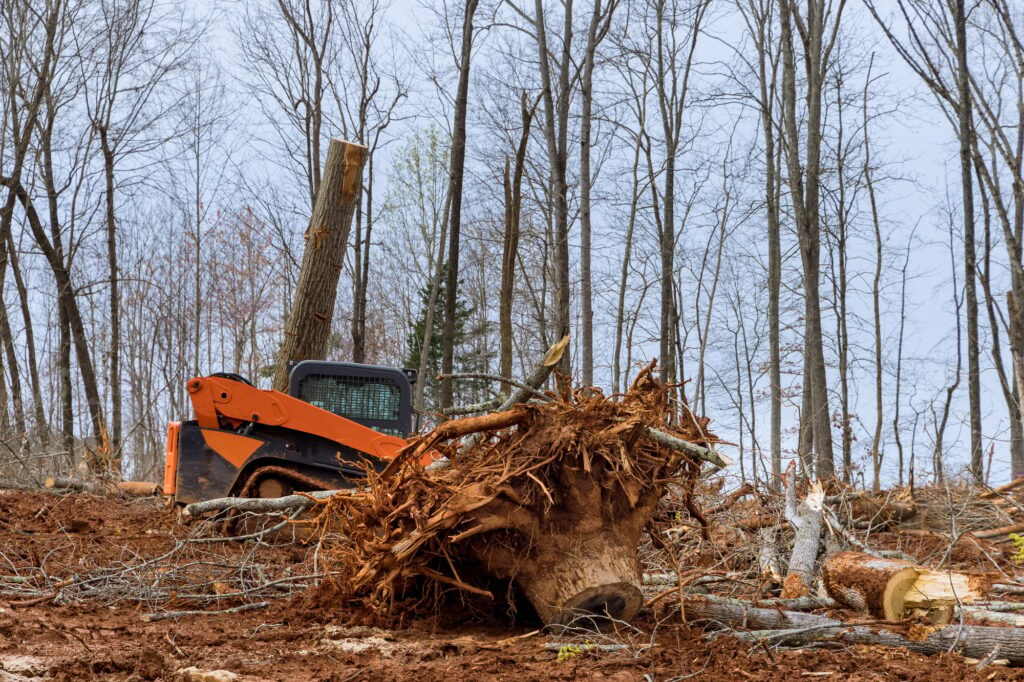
(893, 589)
(596, 606)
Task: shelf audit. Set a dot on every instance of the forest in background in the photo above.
(811, 213)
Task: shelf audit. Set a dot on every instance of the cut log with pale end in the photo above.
(139, 488)
(894, 589)
(582, 586)
(575, 568)
(130, 488)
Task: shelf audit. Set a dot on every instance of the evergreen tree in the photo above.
(466, 342)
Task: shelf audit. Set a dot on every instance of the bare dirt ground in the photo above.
(101, 635)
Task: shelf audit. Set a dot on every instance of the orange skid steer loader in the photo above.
(336, 418)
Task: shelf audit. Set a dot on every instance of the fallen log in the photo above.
(758, 522)
(769, 560)
(882, 513)
(680, 445)
(259, 504)
(975, 641)
(894, 589)
(989, 616)
(140, 488)
(1005, 488)
(129, 488)
(1007, 588)
(998, 532)
(175, 615)
(730, 499)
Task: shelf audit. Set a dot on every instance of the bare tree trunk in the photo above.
(458, 166)
(876, 294)
(773, 188)
(940, 425)
(13, 369)
(896, 429)
(556, 122)
(965, 134)
(600, 20)
(431, 312)
(309, 320)
(624, 272)
(361, 272)
(39, 414)
(115, 301)
(805, 185)
(510, 247)
(67, 406)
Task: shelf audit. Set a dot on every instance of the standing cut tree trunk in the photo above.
(309, 321)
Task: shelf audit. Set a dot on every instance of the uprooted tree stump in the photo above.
(578, 558)
(894, 589)
(552, 496)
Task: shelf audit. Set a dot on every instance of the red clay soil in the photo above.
(63, 643)
(287, 642)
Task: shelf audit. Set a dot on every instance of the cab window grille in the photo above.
(377, 398)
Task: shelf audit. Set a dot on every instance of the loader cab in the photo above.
(246, 442)
(371, 395)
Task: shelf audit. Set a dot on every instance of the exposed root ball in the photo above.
(553, 496)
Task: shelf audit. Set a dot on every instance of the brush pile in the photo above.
(552, 496)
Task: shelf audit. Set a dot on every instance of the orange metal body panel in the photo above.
(171, 458)
(214, 397)
(232, 446)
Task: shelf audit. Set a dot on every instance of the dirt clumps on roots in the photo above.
(551, 497)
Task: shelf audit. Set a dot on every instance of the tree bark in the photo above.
(804, 182)
(627, 253)
(458, 166)
(556, 122)
(510, 246)
(309, 321)
(115, 300)
(806, 518)
(39, 415)
(876, 295)
(965, 132)
(13, 369)
(595, 33)
(969, 640)
(129, 488)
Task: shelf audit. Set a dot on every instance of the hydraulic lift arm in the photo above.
(217, 398)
